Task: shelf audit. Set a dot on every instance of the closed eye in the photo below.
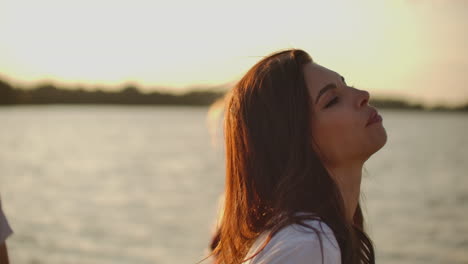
(336, 99)
(332, 102)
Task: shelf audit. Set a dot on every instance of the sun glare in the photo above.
(196, 43)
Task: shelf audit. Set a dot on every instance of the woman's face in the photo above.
(340, 116)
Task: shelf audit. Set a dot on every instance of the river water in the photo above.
(117, 184)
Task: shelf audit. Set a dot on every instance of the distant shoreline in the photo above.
(131, 95)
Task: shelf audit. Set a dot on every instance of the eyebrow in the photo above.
(326, 88)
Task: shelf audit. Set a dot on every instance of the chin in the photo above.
(380, 139)
(377, 140)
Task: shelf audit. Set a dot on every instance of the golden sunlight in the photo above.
(380, 45)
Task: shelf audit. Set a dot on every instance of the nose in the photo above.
(363, 98)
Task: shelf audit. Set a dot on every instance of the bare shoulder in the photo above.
(297, 244)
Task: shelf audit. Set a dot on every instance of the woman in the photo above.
(296, 138)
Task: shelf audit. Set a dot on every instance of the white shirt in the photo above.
(296, 244)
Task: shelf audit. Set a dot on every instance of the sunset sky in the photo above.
(408, 48)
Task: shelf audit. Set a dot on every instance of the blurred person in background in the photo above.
(296, 138)
(5, 232)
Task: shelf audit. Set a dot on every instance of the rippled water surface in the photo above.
(114, 184)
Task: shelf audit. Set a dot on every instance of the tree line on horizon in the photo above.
(131, 95)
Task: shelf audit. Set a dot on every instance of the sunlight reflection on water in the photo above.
(113, 184)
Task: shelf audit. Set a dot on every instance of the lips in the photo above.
(374, 117)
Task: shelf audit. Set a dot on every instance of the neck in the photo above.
(348, 179)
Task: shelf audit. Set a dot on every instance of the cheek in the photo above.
(336, 135)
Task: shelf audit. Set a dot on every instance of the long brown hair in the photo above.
(272, 171)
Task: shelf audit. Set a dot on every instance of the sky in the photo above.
(414, 49)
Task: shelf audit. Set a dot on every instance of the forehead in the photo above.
(317, 76)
